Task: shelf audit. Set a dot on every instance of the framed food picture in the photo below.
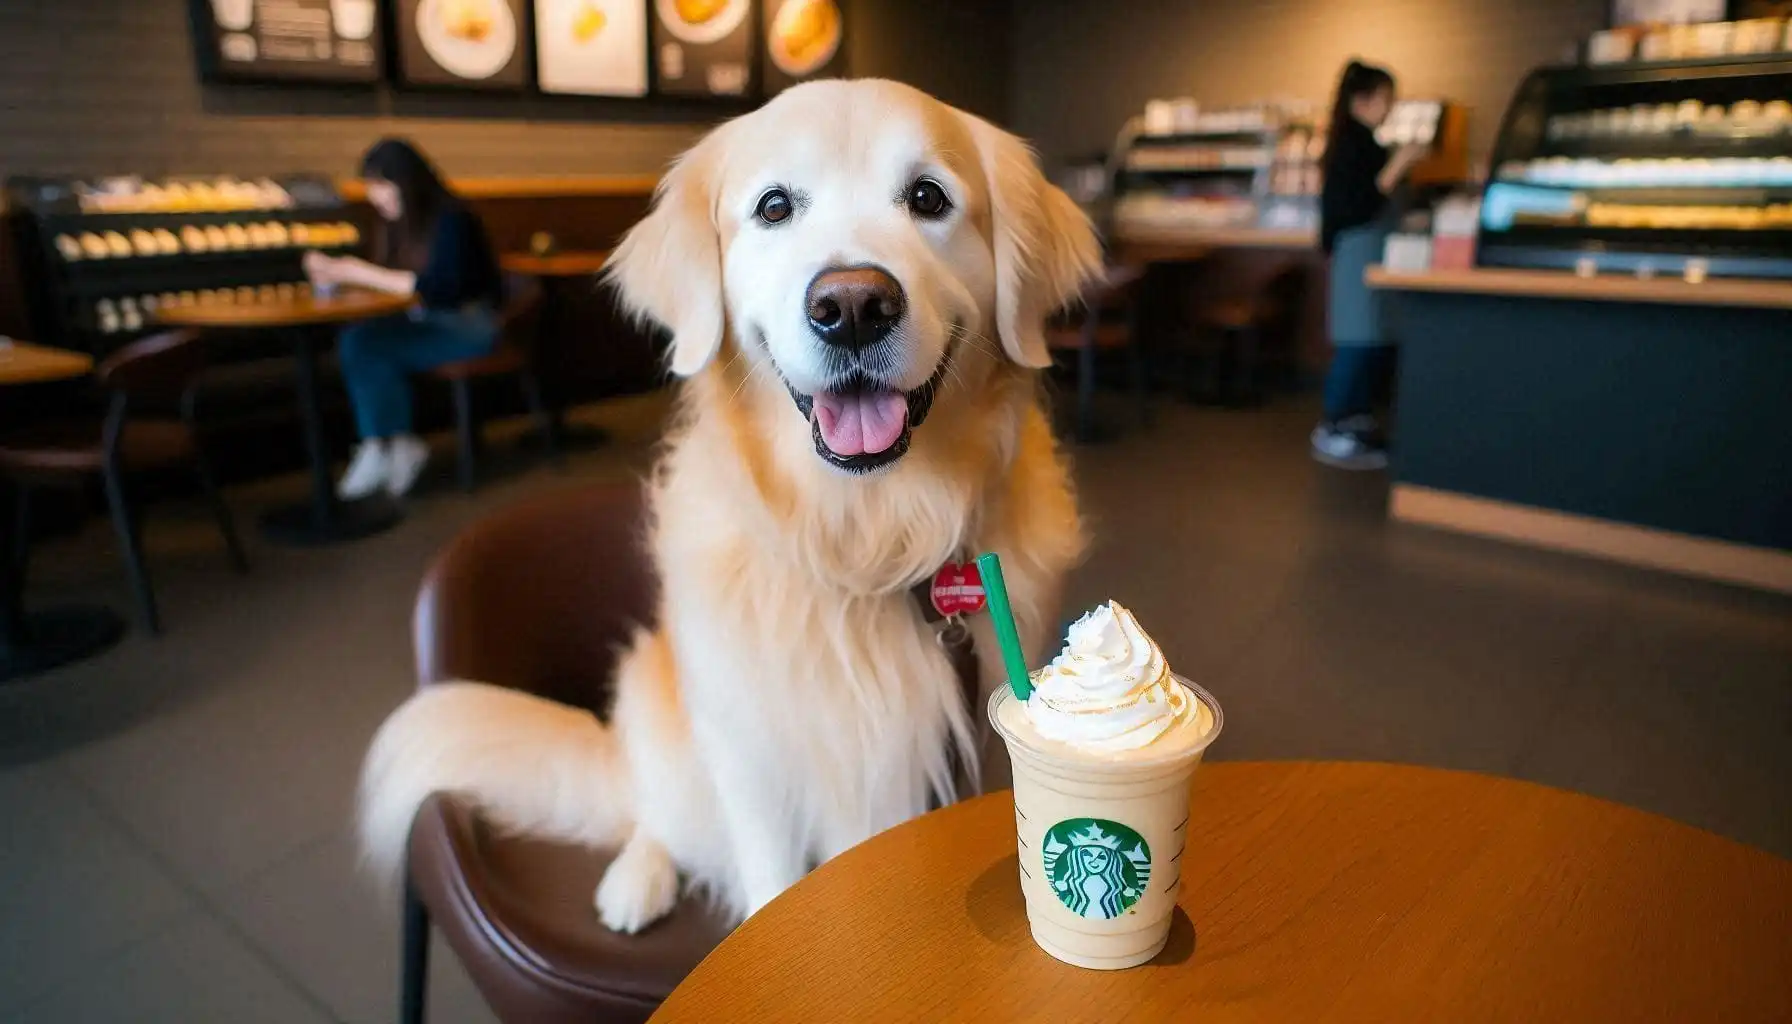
(591, 47)
(704, 47)
(288, 40)
(464, 44)
(803, 39)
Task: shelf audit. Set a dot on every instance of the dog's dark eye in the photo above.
(927, 199)
(774, 207)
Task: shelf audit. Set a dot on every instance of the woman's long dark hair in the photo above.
(1358, 80)
(421, 192)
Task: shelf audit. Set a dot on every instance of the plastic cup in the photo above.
(1100, 842)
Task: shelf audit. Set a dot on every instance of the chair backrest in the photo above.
(160, 364)
(540, 596)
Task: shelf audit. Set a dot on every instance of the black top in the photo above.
(1351, 198)
(461, 269)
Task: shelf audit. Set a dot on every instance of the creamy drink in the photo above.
(1103, 751)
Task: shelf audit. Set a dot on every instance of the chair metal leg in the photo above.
(1085, 378)
(130, 540)
(208, 482)
(414, 966)
(467, 433)
(21, 537)
(1246, 374)
(545, 420)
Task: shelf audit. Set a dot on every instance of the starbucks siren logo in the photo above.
(1098, 868)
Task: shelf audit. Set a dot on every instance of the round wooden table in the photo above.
(323, 519)
(33, 642)
(1311, 891)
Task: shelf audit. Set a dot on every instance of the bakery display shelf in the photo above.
(1764, 142)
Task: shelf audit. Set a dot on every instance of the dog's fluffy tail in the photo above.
(531, 765)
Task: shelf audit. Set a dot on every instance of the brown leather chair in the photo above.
(1108, 321)
(540, 597)
(514, 355)
(155, 372)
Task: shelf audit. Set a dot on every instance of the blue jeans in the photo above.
(377, 358)
(1357, 376)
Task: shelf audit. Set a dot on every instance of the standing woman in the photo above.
(435, 250)
(1354, 215)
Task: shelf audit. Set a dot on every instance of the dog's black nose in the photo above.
(855, 306)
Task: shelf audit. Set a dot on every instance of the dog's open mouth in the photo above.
(861, 424)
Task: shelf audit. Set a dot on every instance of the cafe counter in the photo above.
(1647, 421)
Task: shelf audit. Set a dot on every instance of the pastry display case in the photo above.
(1678, 167)
(103, 255)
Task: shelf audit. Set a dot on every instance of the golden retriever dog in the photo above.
(856, 279)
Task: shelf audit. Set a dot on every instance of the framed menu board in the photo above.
(288, 40)
(803, 39)
(704, 47)
(465, 44)
(591, 47)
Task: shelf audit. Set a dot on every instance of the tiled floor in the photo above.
(175, 845)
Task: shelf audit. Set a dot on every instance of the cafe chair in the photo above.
(1107, 321)
(540, 597)
(141, 381)
(513, 356)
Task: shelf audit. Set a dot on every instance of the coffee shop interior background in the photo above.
(178, 806)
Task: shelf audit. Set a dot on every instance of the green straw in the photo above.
(1001, 615)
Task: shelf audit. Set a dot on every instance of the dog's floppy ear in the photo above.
(1045, 247)
(669, 266)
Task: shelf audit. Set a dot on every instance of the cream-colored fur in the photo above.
(791, 702)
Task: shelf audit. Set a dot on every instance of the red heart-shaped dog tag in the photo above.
(958, 590)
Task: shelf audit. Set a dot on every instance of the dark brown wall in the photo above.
(110, 86)
(1081, 67)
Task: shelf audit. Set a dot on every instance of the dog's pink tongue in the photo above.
(860, 422)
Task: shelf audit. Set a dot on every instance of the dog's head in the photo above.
(862, 244)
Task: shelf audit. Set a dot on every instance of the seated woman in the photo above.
(435, 249)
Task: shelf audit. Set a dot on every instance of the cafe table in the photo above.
(323, 519)
(1310, 892)
(558, 272)
(32, 642)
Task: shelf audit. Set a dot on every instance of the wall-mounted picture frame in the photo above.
(591, 47)
(463, 44)
(289, 41)
(803, 39)
(704, 48)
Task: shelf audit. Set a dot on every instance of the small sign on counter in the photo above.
(288, 40)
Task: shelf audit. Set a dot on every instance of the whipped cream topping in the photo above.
(1110, 689)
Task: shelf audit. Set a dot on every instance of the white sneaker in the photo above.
(406, 459)
(367, 471)
(1346, 450)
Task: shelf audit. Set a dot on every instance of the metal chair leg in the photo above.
(21, 537)
(545, 420)
(1247, 366)
(130, 540)
(467, 433)
(414, 965)
(208, 482)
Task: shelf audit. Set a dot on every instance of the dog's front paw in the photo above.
(640, 887)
